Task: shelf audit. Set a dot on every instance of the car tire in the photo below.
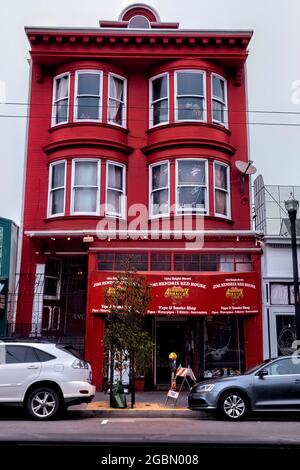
(233, 406)
(43, 404)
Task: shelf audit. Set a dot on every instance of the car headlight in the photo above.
(204, 388)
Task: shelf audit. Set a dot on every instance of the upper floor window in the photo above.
(115, 189)
(85, 186)
(159, 100)
(87, 96)
(190, 96)
(219, 100)
(222, 206)
(191, 183)
(159, 189)
(57, 185)
(60, 108)
(117, 100)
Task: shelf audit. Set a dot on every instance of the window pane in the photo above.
(227, 266)
(115, 176)
(51, 286)
(53, 267)
(87, 107)
(160, 262)
(286, 334)
(86, 173)
(191, 197)
(279, 294)
(61, 114)
(62, 87)
(138, 261)
(57, 201)
(221, 176)
(88, 84)
(116, 88)
(285, 367)
(58, 176)
(189, 83)
(159, 88)
(20, 354)
(115, 112)
(160, 202)
(209, 263)
(140, 22)
(160, 176)
(190, 108)
(191, 172)
(218, 88)
(221, 202)
(43, 356)
(85, 200)
(243, 267)
(114, 199)
(160, 112)
(218, 111)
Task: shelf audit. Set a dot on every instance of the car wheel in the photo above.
(233, 406)
(43, 403)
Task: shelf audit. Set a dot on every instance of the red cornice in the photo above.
(87, 142)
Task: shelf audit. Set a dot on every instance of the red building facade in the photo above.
(134, 131)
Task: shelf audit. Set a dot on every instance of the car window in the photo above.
(20, 354)
(2, 354)
(286, 366)
(43, 356)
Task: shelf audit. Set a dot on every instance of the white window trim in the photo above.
(151, 120)
(123, 192)
(166, 214)
(124, 110)
(59, 214)
(54, 101)
(96, 72)
(179, 211)
(216, 98)
(72, 211)
(203, 73)
(228, 215)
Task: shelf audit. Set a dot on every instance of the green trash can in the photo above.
(118, 399)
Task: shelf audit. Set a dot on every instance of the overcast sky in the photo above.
(273, 70)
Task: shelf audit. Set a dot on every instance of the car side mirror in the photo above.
(262, 373)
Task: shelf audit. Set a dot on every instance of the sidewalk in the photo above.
(148, 404)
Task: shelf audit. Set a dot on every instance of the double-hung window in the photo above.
(117, 100)
(222, 205)
(159, 100)
(57, 186)
(191, 176)
(85, 187)
(87, 96)
(115, 189)
(219, 100)
(60, 108)
(159, 189)
(190, 96)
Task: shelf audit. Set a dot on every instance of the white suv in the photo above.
(43, 377)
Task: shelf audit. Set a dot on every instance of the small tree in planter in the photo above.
(127, 299)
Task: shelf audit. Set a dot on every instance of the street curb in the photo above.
(128, 413)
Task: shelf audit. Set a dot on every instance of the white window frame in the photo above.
(73, 187)
(176, 96)
(228, 215)
(82, 72)
(216, 98)
(151, 102)
(54, 101)
(124, 110)
(123, 191)
(50, 190)
(151, 191)
(179, 211)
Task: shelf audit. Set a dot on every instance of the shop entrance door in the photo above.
(170, 337)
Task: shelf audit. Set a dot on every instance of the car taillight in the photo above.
(80, 364)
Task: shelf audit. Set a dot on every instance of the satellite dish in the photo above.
(246, 168)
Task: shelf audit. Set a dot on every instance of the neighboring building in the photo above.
(138, 111)
(8, 258)
(277, 266)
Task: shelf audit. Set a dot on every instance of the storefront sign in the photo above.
(190, 294)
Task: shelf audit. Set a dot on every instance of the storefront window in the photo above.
(279, 294)
(160, 262)
(286, 334)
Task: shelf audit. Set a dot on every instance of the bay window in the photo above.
(85, 187)
(57, 185)
(190, 96)
(60, 108)
(191, 184)
(221, 178)
(159, 100)
(159, 189)
(87, 96)
(115, 189)
(117, 100)
(219, 100)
